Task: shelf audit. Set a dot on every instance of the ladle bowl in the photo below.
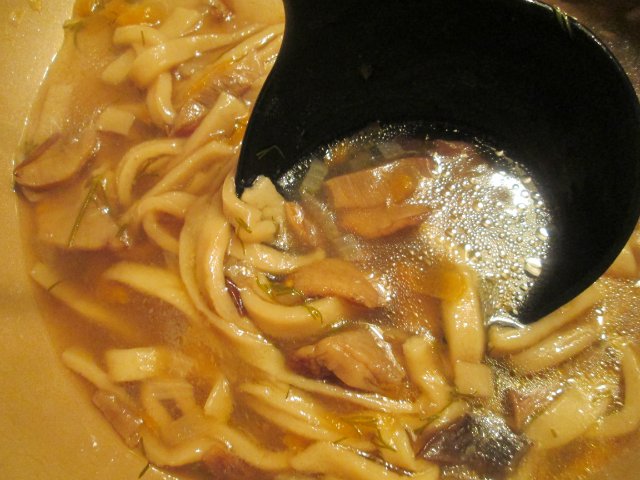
(520, 73)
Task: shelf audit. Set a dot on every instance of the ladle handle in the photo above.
(307, 22)
(305, 15)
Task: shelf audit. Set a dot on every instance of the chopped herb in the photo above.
(265, 287)
(314, 312)
(455, 394)
(55, 284)
(554, 433)
(143, 171)
(361, 420)
(432, 418)
(144, 470)
(428, 421)
(142, 38)
(288, 394)
(91, 197)
(275, 290)
(74, 26)
(380, 442)
(273, 148)
(242, 224)
(279, 290)
(339, 441)
(563, 19)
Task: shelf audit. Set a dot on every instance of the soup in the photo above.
(339, 334)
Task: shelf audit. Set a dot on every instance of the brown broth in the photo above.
(462, 201)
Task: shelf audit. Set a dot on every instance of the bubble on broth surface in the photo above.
(486, 211)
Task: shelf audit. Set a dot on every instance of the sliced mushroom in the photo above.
(77, 218)
(379, 186)
(221, 463)
(523, 406)
(335, 277)
(189, 117)
(122, 418)
(377, 222)
(484, 443)
(58, 160)
(360, 358)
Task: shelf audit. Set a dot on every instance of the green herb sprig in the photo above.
(96, 183)
(275, 290)
(368, 422)
(273, 148)
(144, 470)
(563, 19)
(97, 195)
(314, 312)
(380, 442)
(243, 225)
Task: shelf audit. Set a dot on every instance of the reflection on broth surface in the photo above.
(473, 205)
(340, 334)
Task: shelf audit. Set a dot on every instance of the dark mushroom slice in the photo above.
(521, 407)
(58, 160)
(483, 442)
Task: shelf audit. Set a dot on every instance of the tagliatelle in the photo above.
(554, 351)
(153, 282)
(296, 321)
(161, 58)
(296, 413)
(627, 419)
(566, 419)
(503, 340)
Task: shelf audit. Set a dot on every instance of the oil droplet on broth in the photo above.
(506, 223)
(486, 212)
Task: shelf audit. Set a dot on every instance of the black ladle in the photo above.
(535, 81)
